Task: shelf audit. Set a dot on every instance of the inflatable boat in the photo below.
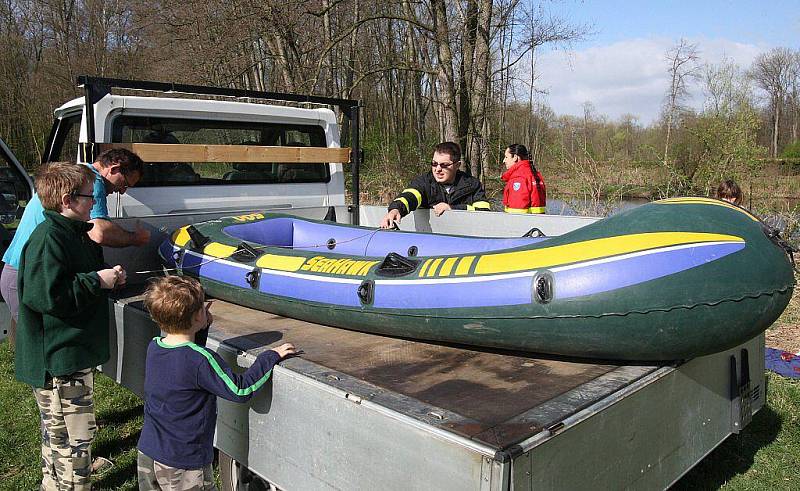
(669, 280)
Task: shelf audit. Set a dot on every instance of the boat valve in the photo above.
(331, 244)
(366, 292)
(253, 278)
(412, 251)
(543, 288)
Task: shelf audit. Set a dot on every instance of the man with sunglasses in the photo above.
(444, 188)
(114, 170)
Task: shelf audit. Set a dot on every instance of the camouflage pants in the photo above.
(155, 476)
(66, 406)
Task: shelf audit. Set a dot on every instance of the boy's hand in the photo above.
(285, 349)
(122, 276)
(111, 277)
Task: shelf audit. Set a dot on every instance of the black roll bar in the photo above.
(98, 87)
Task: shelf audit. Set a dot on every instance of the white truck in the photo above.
(360, 411)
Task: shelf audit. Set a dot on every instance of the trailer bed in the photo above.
(495, 398)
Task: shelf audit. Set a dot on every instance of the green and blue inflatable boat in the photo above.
(669, 280)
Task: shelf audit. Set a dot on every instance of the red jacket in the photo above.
(523, 193)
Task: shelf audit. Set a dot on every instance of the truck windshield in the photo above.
(138, 129)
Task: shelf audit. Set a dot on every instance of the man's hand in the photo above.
(107, 233)
(141, 236)
(391, 219)
(440, 208)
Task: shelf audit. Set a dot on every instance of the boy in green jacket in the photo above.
(63, 322)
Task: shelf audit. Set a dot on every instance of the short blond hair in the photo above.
(172, 301)
(56, 179)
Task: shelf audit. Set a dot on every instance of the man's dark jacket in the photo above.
(466, 193)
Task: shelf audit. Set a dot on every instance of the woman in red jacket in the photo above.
(525, 190)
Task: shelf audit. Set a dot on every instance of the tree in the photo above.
(683, 68)
(772, 72)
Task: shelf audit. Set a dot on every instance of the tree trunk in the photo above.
(775, 127)
(467, 74)
(447, 95)
(480, 93)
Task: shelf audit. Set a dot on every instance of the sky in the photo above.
(622, 68)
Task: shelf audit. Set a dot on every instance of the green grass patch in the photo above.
(119, 418)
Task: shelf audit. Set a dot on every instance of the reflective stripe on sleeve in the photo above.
(479, 206)
(404, 203)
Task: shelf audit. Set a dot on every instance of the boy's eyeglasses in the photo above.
(75, 195)
(125, 180)
(442, 165)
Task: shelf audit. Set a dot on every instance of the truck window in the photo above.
(139, 129)
(65, 144)
(14, 194)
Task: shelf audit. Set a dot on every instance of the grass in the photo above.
(119, 417)
(766, 455)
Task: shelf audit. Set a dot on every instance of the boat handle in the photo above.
(199, 240)
(177, 256)
(534, 230)
(366, 292)
(253, 278)
(543, 288)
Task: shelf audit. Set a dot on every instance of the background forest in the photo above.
(426, 71)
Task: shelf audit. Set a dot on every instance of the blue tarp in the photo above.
(783, 362)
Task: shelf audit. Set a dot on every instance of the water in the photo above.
(586, 207)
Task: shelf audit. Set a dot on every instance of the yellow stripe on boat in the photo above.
(424, 267)
(215, 249)
(181, 236)
(548, 257)
(463, 265)
(705, 201)
(280, 263)
(447, 267)
(434, 266)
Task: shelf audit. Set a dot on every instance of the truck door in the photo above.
(16, 188)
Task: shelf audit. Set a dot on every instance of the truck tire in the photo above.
(234, 476)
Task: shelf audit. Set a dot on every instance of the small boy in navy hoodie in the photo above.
(181, 385)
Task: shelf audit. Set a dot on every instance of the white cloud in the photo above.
(625, 77)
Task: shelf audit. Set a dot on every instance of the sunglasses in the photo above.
(442, 165)
(75, 195)
(125, 180)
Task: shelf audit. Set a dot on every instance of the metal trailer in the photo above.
(360, 411)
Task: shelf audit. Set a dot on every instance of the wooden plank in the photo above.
(254, 154)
